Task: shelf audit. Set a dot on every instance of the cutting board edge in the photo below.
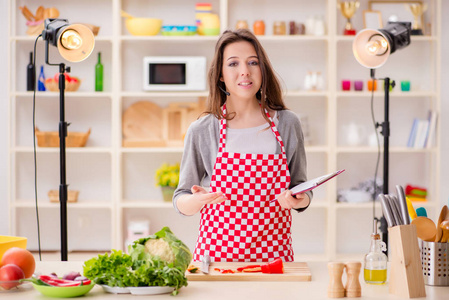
(304, 276)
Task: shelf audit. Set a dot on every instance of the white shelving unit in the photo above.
(116, 184)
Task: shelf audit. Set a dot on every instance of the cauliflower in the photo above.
(160, 248)
(163, 245)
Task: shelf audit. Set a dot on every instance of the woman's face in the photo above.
(241, 71)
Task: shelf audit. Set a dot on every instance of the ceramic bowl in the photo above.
(143, 26)
(63, 292)
(7, 242)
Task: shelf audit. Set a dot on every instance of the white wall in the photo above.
(4, 210)
(444, 190)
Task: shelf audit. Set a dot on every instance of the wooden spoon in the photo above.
(445, 227)
(425, 228)
(126, 15)
(40, 13)
(442, 217)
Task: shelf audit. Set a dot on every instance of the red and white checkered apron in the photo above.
(246, 227)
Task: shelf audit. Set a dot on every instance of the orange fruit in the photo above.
(21, 258)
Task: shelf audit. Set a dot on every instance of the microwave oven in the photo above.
(174, 73)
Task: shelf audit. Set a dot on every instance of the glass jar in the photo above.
(279, 28)
(241, 24)
(259, 27)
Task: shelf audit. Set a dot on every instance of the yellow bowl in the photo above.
(143, 26)
(7, 242)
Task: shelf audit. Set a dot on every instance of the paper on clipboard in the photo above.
(313, 183)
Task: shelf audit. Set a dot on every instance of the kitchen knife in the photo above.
(386, 210)
(205, 262)
(403, 204)
(395, 209)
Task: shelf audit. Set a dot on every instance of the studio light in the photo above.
(75, 42)
(372, 48)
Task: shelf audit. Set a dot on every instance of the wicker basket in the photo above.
(72, 196)
(53, 86)
(51, 138)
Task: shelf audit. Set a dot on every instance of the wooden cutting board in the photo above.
(293, 271)
(142, 121)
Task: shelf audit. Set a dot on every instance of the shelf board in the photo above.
(310, 149)
(67, 94)
(151, 203)
(199, 38)
(164, 94)
(152, 150)
(365, 205)
(367, 94)
(68, 150)
(46, 204)
(126, 203)
(164, 38)
(366, 149)
(291, 93)
(414, 38)
(27, 38)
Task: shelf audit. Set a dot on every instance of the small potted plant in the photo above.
(167, 177)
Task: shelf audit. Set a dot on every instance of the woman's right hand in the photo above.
(191, 204)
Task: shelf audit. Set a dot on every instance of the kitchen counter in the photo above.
(232, 290)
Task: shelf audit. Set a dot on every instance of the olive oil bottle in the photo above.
(375, 270)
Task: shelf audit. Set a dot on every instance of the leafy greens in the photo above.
(142, 268)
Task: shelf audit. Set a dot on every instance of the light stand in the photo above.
(75, 43)
(371, 49)
(385, 125)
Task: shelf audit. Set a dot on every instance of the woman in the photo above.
(238, 151)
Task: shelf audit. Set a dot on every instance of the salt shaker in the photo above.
(353, 288)
(335, 288)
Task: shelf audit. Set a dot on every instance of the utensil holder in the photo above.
(435, 263)
(406, 275)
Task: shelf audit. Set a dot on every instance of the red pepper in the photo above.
(249, 268)
(224, 271)
(54, 281)
(274, 267)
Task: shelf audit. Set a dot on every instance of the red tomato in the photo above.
(11, 273)
(21, 258)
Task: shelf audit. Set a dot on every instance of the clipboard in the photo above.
(313, 183)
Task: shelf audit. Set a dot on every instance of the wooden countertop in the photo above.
(232, 290)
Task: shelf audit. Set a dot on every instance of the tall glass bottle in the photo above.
(41, 81)
(99, 75)
(375, 271)
(31, 74)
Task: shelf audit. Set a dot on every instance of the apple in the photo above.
(12, 273)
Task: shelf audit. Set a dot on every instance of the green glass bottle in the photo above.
(99, 75)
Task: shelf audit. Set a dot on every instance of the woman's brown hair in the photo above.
(270, 94)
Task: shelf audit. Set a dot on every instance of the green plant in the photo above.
(167, 175)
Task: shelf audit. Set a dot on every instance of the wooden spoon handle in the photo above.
(126, 15)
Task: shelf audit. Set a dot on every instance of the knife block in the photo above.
(406, 275)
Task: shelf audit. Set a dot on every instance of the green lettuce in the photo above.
(163, 264)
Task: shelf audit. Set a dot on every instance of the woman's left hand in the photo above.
(288, 201)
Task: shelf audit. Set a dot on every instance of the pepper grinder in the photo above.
(335, 288)
(353, 288)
